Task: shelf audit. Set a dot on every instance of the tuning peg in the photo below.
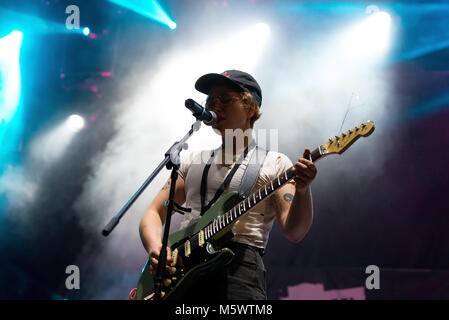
(337, 138)
(350, 131)
(344, 135)
(330, 140)
(363, 125)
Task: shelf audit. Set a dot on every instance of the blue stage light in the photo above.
(172, 25)
(147, 8)
(10, 74)
(11, 125)
(86, 31)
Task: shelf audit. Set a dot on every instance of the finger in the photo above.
(153, 269)
(306, 162)
(153, 261)
(309, 172)
(301, 177)
(299, 166)
(169, 255)
(168, 258)
(303, 170)
(310, 165)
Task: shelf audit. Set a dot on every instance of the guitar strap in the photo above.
(248, 180)
(251, 173)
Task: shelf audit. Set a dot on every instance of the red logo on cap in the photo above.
(225, 74)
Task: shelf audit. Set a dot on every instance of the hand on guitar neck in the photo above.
(305, 171)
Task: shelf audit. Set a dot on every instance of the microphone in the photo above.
(208, 117)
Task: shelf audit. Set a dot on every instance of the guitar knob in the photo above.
(174, 279)
(162, 294)
(172, 270)
(167, 282)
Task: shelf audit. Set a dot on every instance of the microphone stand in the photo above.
(171, 161)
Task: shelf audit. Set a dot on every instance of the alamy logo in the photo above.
(73, 20)
(373, 280)
(73, 280)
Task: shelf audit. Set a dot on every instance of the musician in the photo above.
(236, 98)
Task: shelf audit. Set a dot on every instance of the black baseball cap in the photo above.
(239, 80)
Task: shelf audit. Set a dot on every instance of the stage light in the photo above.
(150, 9)
(75, 122)
(86, 31)
(172, 25)
(263, 30)
(243, 49)
(32, 25)
(368, 39)
(51, 145)
(10, 74)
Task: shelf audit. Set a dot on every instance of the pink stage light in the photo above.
(106, 74)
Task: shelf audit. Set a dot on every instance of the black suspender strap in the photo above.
(180, 209)
(226, 182)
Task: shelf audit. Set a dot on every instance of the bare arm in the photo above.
(150, 228)
(294, 211)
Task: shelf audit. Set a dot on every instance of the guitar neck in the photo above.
(252, 200)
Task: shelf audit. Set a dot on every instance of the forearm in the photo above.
(300, 216)
(150, 230)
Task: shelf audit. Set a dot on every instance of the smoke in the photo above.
(19, 188)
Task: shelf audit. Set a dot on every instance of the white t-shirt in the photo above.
(253, 227)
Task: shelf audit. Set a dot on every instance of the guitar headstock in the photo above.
(341, 143)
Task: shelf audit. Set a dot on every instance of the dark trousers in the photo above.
(242, 279)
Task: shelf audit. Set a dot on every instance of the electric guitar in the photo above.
(201, 247)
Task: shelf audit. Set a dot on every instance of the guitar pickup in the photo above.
(174, 255)
(201, 238)
(187, 248)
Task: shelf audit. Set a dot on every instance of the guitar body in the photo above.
(202, 259)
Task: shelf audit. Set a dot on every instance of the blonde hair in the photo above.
(249, 103)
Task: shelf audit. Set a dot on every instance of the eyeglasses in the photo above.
(223, 99)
